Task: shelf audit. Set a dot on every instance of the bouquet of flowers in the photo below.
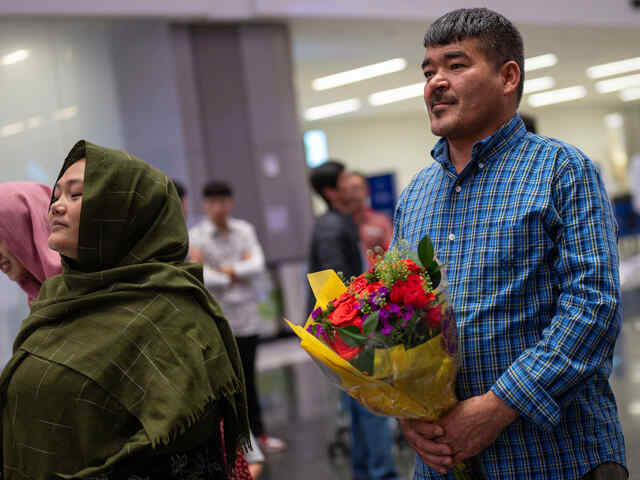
(388, 337)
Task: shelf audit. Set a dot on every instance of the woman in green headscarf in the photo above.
(126, 365)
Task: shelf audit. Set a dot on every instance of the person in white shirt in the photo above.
(232, 258)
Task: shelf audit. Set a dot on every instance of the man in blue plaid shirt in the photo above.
(524, 227)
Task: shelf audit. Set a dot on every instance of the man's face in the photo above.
(357, 191)
(463, 91)
(218, 209)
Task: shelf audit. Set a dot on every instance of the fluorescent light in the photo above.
(614, 68)
(630, 94)
(557, 96)
(538, 84)
(541, 61)
(618, 83)
(34, 122)
(359, 74)
(66, 113)
(12, 129)
(15, 57)
(332, 109)
(634, 408)
(396, 94)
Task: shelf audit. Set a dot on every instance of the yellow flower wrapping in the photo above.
(414, 383)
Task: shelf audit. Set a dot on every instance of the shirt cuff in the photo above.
(527, 398)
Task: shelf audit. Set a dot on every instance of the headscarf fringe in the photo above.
(232, 389)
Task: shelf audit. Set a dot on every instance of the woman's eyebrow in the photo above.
(69, 182)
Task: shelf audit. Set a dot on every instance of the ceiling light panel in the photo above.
(397, 94)
(15, 57)
(618, 83)
(614, 68)
(557, 96)
(538, 84)
(359, 74)
(541, 61)
(630, 94)
(332, 109)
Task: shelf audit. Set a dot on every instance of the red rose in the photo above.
(346, 297)
(398, 292)
(345, 351)
(374, 287)
(411, 265)
(358, 284)
(346, 313)
(417, 298)
(433, 317)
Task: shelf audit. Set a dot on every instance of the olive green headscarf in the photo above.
(131, 315)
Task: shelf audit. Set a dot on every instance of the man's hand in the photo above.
(474, 424)
(423, 438)
(229, 270)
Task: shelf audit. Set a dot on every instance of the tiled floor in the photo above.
(302, 407)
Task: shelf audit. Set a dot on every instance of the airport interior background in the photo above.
(242, 91)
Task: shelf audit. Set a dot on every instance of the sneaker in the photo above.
(271, 444)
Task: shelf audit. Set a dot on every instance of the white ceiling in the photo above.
(324, 47)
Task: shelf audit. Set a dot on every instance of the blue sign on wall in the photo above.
(628, 220)
(383, 193)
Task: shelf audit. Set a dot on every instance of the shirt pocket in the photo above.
(518, 242)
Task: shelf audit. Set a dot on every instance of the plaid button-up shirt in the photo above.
(528, 237)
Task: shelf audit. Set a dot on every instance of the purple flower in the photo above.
(310, 329)
(386, 327)
(383, 291)
(375, 307)
(384, 315)
(316, 313)
(393, 308)
(321, 332)
(357, 306)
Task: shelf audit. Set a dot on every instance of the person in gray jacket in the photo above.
(335, 245)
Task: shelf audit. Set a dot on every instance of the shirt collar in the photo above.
(485, 149)
(213, 228)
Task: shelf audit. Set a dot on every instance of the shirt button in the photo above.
(458, 189)
(481, 165)
(452, 237)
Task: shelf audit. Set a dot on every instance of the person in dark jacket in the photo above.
(335, 245)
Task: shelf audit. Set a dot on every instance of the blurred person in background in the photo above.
(25, 256)
(232, 259)
(125, 367)
(528, 235)
(375, 228)
(335, 245)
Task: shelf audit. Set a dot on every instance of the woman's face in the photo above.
(64, 213)
(10, 265)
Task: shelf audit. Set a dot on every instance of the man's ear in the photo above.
(510, 74)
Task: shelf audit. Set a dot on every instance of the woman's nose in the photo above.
(57, 207)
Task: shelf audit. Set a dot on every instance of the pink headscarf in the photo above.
(25, 229)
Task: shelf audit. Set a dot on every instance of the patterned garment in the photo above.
(529, 241)
(205, 462)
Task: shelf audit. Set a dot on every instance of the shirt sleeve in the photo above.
(580, 338)
(253, 263)
(214, 278)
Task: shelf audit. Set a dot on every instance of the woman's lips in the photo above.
(57, 226)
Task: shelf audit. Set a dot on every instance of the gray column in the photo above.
(236, 85)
